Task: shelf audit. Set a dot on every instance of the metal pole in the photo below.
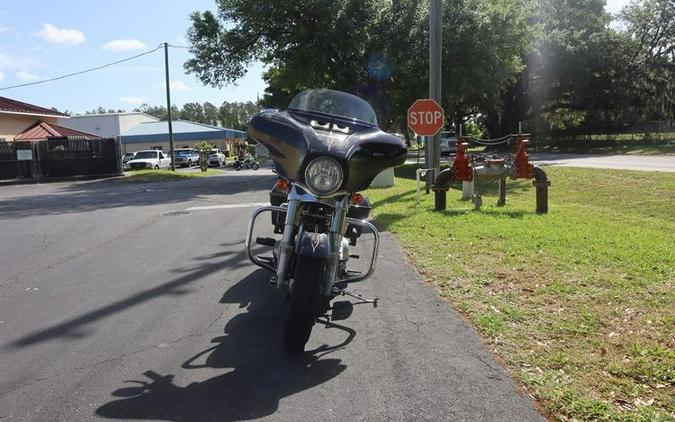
(168, 104)
(435, 42)
(429, 175)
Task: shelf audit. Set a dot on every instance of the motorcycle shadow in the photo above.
(261, 371)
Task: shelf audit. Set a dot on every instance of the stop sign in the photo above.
(425, 117)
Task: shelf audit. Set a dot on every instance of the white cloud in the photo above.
(17, 63)
(123, 45)
(26, 76)
(4, 28)
(177, 86)
(2, 76)
(55, 35)
(133, 100)
(5, 61)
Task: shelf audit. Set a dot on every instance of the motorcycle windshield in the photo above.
(334, 103)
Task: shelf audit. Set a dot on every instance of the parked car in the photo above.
(126, 158)
(186, 157)
(448, 143)
(150, 159)
(216, 158)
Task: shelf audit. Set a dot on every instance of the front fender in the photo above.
(312, 244)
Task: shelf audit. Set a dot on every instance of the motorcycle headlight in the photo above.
(323, 176)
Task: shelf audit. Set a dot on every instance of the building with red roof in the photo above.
(35, 144)
(43, 130)
(31, 121)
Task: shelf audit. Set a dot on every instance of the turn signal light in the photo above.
(281, 185)
(357, 199)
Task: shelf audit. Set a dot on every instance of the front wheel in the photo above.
(255, 166)
(305, 302)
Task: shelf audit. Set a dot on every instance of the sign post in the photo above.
(435, 69)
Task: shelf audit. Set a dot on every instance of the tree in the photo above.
(587, 73)
(373, 48)
(565, 71)
(650, 29)
(158, 111)
(193, 112)
(210, 113)
(203, 148)
(236, 115)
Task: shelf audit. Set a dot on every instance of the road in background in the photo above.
(624, 162)
(117, 303)
(621, 162)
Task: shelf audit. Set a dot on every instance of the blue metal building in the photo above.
(149, 135)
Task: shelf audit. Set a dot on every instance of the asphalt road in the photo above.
(625, 162)
(621, 162)
(116, 303)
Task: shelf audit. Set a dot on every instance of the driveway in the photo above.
(137, 302)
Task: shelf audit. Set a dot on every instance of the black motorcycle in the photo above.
(246, 163)
(326, 147)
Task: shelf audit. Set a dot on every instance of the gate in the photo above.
(60, 157)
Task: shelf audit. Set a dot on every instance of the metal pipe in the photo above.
(440, 200)
(435, 74)
(542, 183)
(502, 192)
(467, 190)
(444, 179)
(419, 173)
(441, 187)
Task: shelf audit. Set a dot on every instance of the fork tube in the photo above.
(286, 247)
(338, 225)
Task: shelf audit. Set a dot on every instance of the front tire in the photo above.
(305, 303)
(255, 166)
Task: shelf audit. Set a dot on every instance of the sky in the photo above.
(44, 39)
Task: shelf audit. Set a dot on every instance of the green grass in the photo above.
(578, 302)
(144, 176)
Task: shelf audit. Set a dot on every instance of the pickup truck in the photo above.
(186, 157)
(216, 158)
(126, 158)
(150, 159)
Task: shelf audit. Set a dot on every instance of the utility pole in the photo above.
(168, 104)
(435, 42)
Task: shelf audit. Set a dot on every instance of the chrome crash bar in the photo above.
(266, 265)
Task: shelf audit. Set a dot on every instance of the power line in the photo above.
(180, 46)
(81, 71)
